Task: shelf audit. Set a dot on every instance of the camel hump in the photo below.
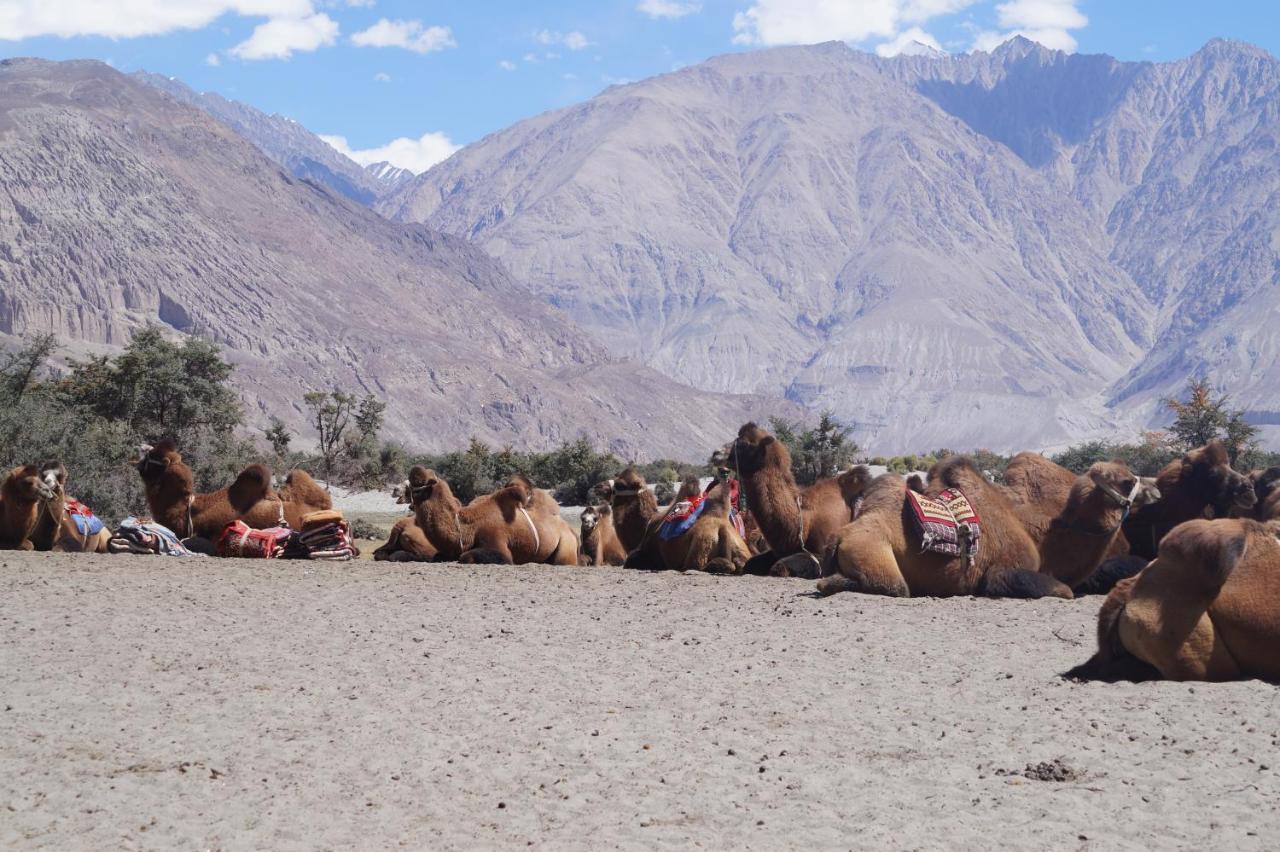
(252, 486)
(301, 487)
(1212, 549)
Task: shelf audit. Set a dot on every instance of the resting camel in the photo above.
(406, 543)
(1199, 485)
(57, 530)
(1205, 609)
(21, 496)
(794, 522)
(172, 498)
(1075, 521)
(600, 544)
(505, 527)
(712, 544)
(634, 506)
(880, 552)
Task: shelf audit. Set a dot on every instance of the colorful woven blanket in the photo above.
(684, 514)
(143, 535)
(947, 524)
(85, 520)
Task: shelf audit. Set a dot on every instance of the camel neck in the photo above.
(774, 501)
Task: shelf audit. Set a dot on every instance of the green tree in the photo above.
(279, 436)
(331, 415)
(816, 453)
(159, 387)
(1201, 418)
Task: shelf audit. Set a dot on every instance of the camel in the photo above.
(57, 529)
(1204, 609)
(1199, 485)
(794, 522)
(173, 501)
(509, 526)
(1075, 521)
(712, 544)
(301, 487)
(880, 552)
(406, 543)
(600, 544)
(633, 506)
(21, 496)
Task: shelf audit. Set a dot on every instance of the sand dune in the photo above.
(219, 703)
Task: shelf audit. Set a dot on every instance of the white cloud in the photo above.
(1048, 22)
(416, 155)
(573, 40)
(410, 35)
(382, 77)
(507, 65)
(531, 57)
(774, 22)
(279, 38)
(912, 42)
(668, 8)
(21, 19)
(212, 59)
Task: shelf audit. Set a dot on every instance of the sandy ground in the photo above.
(216, 703)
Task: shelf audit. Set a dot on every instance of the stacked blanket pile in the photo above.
(143, 535)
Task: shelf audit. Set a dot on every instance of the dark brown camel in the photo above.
(21, 497)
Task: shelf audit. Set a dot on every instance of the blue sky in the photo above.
(439, 73)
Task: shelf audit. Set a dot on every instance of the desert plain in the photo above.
(148, 702)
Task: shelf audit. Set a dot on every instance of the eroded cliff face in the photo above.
(123, 206)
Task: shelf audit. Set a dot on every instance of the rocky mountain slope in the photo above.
(1008, 249)
(122, 205)
(301, 152)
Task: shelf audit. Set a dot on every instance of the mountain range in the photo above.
(123, 206)
(1021, 248)
(1010, 249)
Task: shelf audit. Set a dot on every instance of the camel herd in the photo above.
(1189, 560)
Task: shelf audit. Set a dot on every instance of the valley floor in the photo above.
(150, 702)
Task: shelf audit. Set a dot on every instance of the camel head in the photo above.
(1115, 481)
(425, 484)
(1148, 492)
(751, 451)
(854, 482)
(26, 485)
(155, 461)
(629, 483)
(1265, 482)
(590, 519)
(604, 490)
(401, 493)
(1208, 471)
(54, 474)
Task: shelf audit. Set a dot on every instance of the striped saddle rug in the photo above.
(947, 524)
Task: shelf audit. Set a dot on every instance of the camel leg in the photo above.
(865, 564)
(761, 564)
(488, 553)
(1021, 583)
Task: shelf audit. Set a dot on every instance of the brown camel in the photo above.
(1205, 609)
(634, 506)
(880, 552)
(505, 527)
(301, 487)
(406, 543)
(21, 496)
(57, 530)
(172, 498)
(1075, 521)
(600, 544)
(1199, 485)
(712, 544)
(793, 521)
